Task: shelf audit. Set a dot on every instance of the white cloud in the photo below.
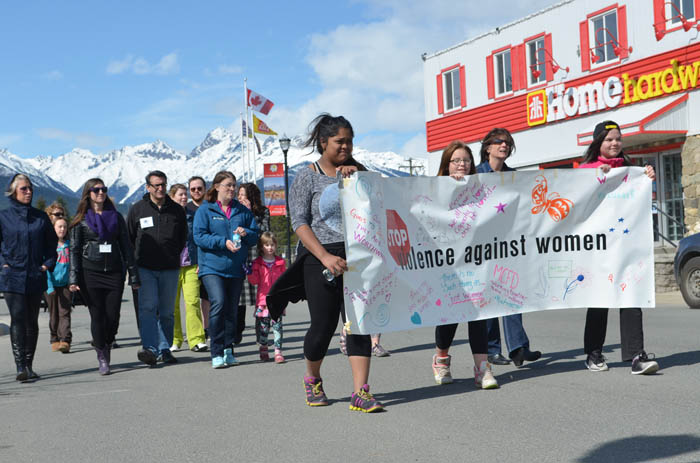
(227, 69)
(415, 147)
(7, 139)
(83, 140)
(168, 64)
(54, 75)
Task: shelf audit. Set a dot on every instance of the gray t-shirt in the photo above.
(314, 201)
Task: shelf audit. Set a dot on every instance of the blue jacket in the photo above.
(27, 241)
(59, 276)
(191, 246)
(211, 229)
(485, 168)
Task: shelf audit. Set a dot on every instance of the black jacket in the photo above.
(27, 241)
(157, 246)
(85, 252)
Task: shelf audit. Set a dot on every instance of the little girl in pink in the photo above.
(265, 271)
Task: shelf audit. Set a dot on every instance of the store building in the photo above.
(550, 77)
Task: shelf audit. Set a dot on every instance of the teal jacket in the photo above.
(59, 276)
(212, 228)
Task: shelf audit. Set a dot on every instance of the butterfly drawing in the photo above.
(557, 207)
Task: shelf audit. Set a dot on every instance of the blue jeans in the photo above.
(224, 294)
(514, 333)
(156, 308)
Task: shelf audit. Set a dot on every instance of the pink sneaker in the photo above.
(279, 358)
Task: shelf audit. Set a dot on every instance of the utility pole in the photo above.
(412, 166)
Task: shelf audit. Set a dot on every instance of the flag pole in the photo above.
(247, 128)
(243, 135)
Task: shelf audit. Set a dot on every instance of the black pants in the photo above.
(104, 306)
(478, 336)
(24, 326)
(325, 302)
(631, 331)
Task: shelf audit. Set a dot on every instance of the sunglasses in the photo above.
(498, 141)
(99, 189)
(196, 188)
(57, 214)
(158, 186)
(25, 188)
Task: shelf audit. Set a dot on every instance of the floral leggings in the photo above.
(262, 328)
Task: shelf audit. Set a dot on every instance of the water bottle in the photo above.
(236, 239)
(328, 275)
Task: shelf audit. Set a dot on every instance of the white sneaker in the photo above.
(643, 365)
(483, 377)
(441, 369)
(174, 348)
(596, 362)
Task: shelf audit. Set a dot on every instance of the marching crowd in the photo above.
(218, 252)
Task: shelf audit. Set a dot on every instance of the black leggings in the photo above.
(631, 331)
(104, 307)
(24, 325)
(478, 337)
(325, 302)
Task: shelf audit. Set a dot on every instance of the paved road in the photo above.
(552, 411)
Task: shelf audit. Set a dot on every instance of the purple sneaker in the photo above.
(315, 397)
(363, 401)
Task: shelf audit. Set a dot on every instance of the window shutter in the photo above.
(463, 86)
(489, 77)
(660, 19)
(548, 56)
(515, 67)
(440, 98)
(521, 76)
(585, 48)
(622, 31)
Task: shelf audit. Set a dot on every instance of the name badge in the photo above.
(105, 248)
(146, 222)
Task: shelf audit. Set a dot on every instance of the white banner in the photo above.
(425, 251)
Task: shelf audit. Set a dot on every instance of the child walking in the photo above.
(58, 296)
(267, 267)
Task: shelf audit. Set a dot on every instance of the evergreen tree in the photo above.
(40, 203)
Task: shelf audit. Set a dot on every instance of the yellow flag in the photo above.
(260, 127)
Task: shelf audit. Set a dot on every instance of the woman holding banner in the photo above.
(496, 147)
(606, 152)
(317, 220)
(458, 162)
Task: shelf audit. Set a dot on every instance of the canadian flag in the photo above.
(259, 103)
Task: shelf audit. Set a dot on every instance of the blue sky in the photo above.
(101, 75)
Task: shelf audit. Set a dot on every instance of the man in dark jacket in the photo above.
(158, 230)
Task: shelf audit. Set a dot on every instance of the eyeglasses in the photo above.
(99, 189)
(57, 214)
(457, 162)
(196, 188)
(498, 141)
(25, 188)
(228, 185)
(157, 186)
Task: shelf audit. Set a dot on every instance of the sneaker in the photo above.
(264, 355)
(174, 348)
(441, 369)
(315, 397)
(229, 359)
(55, 346)
(167, 357)
(64, 347)
(279, 358)
(147, 356)
(343, 342)
(201, 347)
(483, 377)
(643, 365)
(363, 401)
(596, 361)
(218, 362)
(379, 351)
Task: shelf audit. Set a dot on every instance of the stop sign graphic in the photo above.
(397, 237)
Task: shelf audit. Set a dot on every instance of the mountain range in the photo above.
(123, 170)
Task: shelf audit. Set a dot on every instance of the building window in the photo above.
(676, 8)
(536, 61)
(605, 37)
(451, 86)
(503, 73)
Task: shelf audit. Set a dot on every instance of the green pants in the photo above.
(188, 283)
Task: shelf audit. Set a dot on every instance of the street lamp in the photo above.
(284, 144)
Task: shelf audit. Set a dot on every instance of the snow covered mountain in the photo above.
(124, 170)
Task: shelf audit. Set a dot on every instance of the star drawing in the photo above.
(501, 207)
(620, 220)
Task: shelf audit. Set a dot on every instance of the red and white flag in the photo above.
(259, 103)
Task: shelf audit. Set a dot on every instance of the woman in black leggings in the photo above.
(100, 255)
(316, 219)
